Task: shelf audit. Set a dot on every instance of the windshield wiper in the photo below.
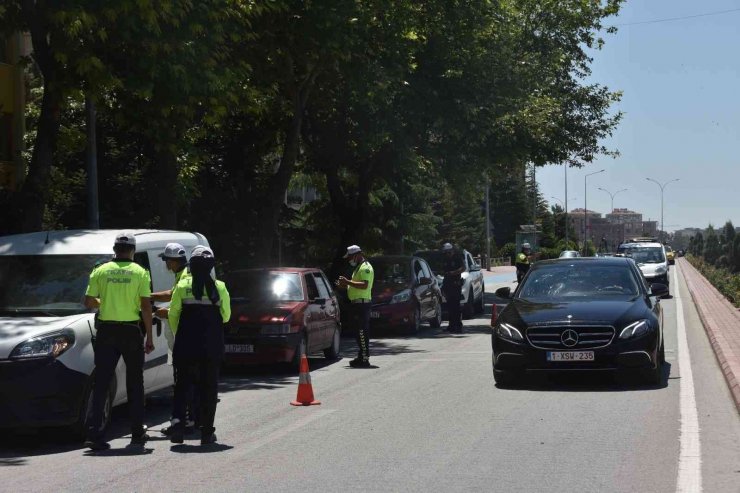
(27, 311)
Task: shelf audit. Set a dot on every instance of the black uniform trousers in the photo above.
(197, 375)
(454, 314)
(197, 356)
(113, 341)
(360, 316)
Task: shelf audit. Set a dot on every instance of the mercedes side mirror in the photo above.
(425, 281)
(503, 292)
(658, 289)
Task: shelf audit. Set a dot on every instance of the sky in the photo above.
(681, 102)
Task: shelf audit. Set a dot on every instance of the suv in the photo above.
(473, 287)
(650, 257)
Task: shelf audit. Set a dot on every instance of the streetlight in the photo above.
(619, 222)
(585, 207)
(662, 187)
(612, 195)
(565, 208)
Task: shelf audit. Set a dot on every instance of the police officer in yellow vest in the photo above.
(523, 261)
(200, 306)
(120, 289)
(176, 262)
(359, 292)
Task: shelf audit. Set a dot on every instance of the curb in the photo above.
(721, 347)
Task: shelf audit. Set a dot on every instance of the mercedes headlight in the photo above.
(509, 332)
(401, 297)
(53, 345)
(635, 329)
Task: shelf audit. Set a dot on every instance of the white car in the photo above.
(650, 257)
(46, 334)
(473, 287)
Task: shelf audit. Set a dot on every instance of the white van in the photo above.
(46, 333)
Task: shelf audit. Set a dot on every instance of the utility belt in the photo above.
(118, 324)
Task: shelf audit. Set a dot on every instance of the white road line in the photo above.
(689, 458)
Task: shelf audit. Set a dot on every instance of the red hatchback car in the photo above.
(280, 313)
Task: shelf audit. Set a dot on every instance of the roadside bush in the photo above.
(508, 251)
(725, 281)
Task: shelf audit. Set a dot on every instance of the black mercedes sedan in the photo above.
(580, 314)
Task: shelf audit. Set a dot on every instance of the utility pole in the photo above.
(565, 168)
(91, 161)
(534, 208)
(488, 223)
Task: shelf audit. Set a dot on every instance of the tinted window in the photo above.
(323, 289)
(579, 280)
(425, 268)
(313, 290)
(265, 286)
(391, 270)
(434, 258)
(418, 270)
(49, 284)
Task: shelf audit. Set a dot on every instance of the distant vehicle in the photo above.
(670, 255)
(473, 287)
(603, 254)
(569, 254)
(46, 334)
(279, 314)
(584, 314)
(405, 293)
(650, 258)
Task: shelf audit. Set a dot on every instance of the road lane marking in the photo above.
(689, 457)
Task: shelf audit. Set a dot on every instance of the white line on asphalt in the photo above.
(689, 458)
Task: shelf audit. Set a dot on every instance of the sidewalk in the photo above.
(721, 321)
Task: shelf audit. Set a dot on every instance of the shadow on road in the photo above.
(200, 449)
(586, 381)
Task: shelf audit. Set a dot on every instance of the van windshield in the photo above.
(45, 285)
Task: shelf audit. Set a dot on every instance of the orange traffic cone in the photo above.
(494, 314)
(305, 390)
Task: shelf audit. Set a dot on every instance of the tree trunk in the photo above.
(165, 175)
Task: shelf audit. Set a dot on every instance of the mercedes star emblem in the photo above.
(569, 338)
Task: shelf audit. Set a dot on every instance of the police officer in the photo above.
(200, 306)
(452, 266)
(176, 262)
(523, 261)
(359, 292)
(120, 289)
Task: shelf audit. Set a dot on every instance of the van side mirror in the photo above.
(504, 292)
(425, 281)
(319, 301)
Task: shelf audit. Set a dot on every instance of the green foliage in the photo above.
(726, 282)
(508, 251)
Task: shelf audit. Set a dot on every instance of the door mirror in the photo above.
(425, 281)
(658, 289)
(319, 301)
(504, 293)
(475, 268)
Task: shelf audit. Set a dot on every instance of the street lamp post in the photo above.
(612, 195)
(585, 207)
(662, 188)
(565, 207)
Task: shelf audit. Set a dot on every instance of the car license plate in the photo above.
(570, 356)
(374, 314)
(239, 348)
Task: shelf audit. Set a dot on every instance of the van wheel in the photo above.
(332, 352)
(79, 428)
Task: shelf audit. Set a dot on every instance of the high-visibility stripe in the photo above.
(193, 301)
(304, 378)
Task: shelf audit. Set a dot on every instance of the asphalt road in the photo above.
(428, 418)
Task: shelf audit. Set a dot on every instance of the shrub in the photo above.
(725, 281)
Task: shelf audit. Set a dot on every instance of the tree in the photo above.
(712, 248)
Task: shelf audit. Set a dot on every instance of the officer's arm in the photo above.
(91, 303)
(175, 310)
(358, 284)
(223, 293)
(162, 296)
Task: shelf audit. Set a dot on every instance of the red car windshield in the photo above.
(265, 286)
